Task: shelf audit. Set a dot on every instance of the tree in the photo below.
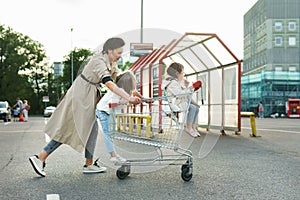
(126, 66)
(80, 57)
(22, 68)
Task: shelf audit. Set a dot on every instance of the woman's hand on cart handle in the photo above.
(135, 100)
(147, 100)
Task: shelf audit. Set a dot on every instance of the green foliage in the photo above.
(55, 90)
(25, 73)
(22, 68)
(79, 57)
(126, 66)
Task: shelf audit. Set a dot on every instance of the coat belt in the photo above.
(87, 80)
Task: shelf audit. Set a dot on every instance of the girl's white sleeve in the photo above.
(175, 88)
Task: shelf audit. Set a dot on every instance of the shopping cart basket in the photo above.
(159, 124)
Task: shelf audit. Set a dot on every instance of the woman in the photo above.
(25, 109)
(176, 84)
(74, 122)
(260, 110)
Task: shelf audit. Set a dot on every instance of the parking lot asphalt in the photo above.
(225, 167)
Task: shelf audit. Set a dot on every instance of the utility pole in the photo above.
(142, 8)
(72, 71)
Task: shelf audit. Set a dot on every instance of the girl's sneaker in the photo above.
(118, 159)
(196, 132)
(190, 132)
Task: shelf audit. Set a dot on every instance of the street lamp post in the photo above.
(72, 71)
(142, 8)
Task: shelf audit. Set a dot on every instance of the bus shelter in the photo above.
(205, 57)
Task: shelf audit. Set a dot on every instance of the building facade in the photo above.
(271, 71)
(57, 87)
(58, 69)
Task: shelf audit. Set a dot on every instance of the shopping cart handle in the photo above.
(112, 105)
(147, 100)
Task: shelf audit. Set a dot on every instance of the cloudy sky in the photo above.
(94, 21)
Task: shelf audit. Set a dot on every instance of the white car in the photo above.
(48, 111)
(5, 111)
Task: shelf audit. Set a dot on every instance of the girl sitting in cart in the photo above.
(176, 84)
(127, 82)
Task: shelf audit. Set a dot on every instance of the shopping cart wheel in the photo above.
(122, 175)
(185, 174)
(123, 172)
(185, 165)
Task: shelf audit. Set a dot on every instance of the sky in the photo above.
(94, 21)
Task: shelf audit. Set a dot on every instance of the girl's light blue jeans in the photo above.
(192, 116)
(104, 120)
(90, 146)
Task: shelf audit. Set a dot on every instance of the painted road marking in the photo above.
(22, 131)
(281, 131)
(52, 197)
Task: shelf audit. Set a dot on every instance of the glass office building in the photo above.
(271, 71)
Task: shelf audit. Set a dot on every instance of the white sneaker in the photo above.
(38, 165)
(190, 132)
(94, 168)
(197, 132)
(118, 159)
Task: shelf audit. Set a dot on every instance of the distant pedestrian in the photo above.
(25, 109)
(19, 103)
(260, 110)
(16, 114)
(19, 106)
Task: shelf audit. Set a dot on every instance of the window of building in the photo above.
(155, 74)
(278, 69)
(292, 68)
(278, 41)
(278, 26)
(292, 26)
(292, 41)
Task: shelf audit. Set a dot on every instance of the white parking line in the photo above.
(282, 131)
(22, 131)
(52, 197)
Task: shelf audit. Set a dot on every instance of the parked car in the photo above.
(5, 111)
(49, 110)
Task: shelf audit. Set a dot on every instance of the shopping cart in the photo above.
(158, 124)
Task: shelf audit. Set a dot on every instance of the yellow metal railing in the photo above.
(134, 119)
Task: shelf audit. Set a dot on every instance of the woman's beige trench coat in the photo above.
(73, 120)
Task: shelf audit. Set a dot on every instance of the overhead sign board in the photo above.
(140, 49)
(45, 98)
